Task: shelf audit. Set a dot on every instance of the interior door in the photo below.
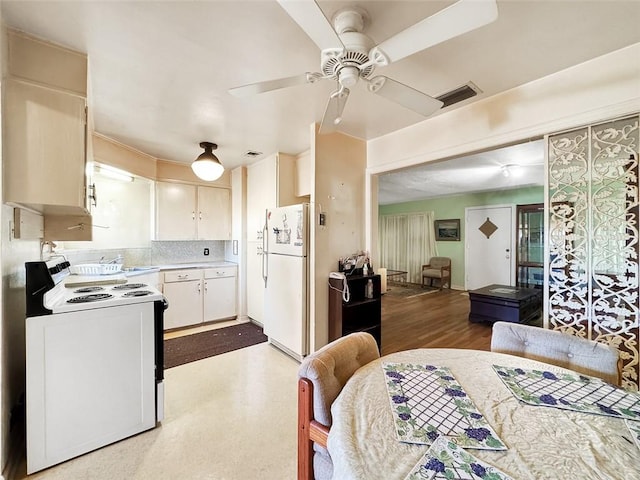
(489, 246)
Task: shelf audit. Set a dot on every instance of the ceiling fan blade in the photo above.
(267, 86)
(333, 112)
(404, 95)
(307, 14)
(459, 18)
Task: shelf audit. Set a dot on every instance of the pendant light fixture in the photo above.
(207, 166)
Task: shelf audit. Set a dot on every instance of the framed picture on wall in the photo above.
(448, 230)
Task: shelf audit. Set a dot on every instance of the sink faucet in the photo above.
(118, 259)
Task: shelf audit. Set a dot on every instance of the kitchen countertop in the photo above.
(133, 271)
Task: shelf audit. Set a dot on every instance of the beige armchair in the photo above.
(321, 377)
(557, 348)
(438, 268)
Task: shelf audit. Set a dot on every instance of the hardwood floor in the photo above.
(436, 320)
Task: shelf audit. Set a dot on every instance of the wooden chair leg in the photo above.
(305, 415)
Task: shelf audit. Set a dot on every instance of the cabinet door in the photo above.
(219, 298)
(175, 211)
(44, 161)
(255, 282)
(214, 213)
(261, 194)
(303, 174)
(185, 304)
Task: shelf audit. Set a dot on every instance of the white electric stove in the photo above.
(94, 361)
(66, 298)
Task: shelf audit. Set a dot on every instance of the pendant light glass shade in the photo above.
(207, 166)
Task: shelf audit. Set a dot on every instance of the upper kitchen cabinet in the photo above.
(45, 137)
(270, 183)
(214, 213)
(303, 174)
(192, 212)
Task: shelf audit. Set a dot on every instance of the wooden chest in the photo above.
(505, 303)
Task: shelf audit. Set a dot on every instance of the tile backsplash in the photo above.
(165, 253)
(158, 253)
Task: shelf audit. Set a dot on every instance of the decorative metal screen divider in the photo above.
(593, 236)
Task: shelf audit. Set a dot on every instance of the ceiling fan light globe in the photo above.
(348, 76)
(207, 169)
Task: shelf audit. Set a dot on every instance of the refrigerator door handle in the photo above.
(265, 250)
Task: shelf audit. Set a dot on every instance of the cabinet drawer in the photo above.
(182, 275)
(220, 272)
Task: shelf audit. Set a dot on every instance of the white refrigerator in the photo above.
(286, 274)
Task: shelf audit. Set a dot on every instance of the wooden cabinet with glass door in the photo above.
(530, 252)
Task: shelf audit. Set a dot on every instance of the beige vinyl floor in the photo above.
(228, 417)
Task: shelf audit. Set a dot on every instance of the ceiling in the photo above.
(160, 70)
(501, 169)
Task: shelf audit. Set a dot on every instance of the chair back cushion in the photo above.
(437, 262)
(558, 348)
(330, 367)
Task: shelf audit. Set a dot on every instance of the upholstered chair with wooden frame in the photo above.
(321, 377)
(557, 348)
(438, 268)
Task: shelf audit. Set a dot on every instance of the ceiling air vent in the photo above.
(252, 154)
(459, 94)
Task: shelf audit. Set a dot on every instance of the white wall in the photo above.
(122, 217)
(239, 234)
(601, 89)
(338, 174)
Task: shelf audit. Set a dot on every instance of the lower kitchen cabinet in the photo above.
(198, 295)
(219, 293)
(183, 291)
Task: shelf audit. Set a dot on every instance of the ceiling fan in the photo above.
(348, 55)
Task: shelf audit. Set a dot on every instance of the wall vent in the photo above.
(459, 94)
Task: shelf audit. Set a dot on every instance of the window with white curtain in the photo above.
(407, 241)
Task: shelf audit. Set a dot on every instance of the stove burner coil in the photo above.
(90, 298)
(88, 289)
(138, 293)
(129, 286)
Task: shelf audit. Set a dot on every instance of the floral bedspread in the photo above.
(427, 402)
(570, 392)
